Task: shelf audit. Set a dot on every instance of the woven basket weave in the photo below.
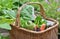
(20, 33)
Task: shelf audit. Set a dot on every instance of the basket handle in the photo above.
(17, 23)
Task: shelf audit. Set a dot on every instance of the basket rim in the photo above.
(39, 32)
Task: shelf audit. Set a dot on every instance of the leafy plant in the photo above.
(39, 21)
(27, 14)
(8, 13)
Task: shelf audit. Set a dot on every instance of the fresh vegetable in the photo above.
(27, 24)
(27, 13)
(39, 21)
(43, 26)
(28, 19)
(37, 25)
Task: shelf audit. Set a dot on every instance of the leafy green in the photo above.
(27, 13)
(27, 24)
(39, 21)
(7, 19)
(3, 20)
(5, 26)
(8, 7)
(4, 23)
(6, 4)
(10, 13)
(30, 25)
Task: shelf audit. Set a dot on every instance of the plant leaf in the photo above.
(39, 21)
(10, 13)
(5, 26)
(27, 13)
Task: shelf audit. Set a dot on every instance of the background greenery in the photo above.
(8, 9)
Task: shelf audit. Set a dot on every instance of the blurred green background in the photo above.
(51, 7)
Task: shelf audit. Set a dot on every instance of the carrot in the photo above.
(42, 27)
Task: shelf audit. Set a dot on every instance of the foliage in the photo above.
(50, 9)
(27, 13)
(39, 21)
(8, 9)
(9, 15)
(6, 4)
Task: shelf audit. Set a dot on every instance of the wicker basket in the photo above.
(20, 33)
